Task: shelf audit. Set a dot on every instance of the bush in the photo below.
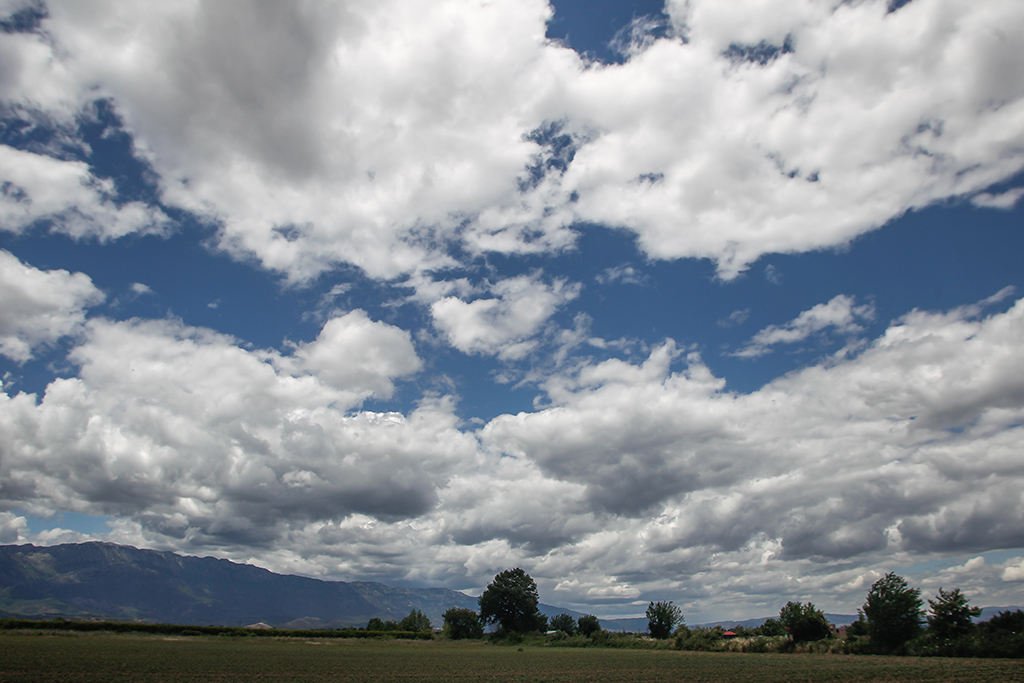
(1002, 635)
(699, 639)
(461, 623)
(416, 621)
(564, 623)
(804, 623)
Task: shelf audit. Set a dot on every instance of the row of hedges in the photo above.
(187, 630)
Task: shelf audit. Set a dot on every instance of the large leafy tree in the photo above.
(511, 602)
(951, 614)
(589, 625)
(804, 623)
(662, 618)
(460, 623)
(893, 612)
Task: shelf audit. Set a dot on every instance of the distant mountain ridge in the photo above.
(109, 581)
(106, 580)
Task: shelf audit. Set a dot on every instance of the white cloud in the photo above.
(735, 318)
(907, 450)
(39, 307)
(36, 187)
(810, 149)
(840, 315)
(353, 352)
(320, 134)
(625, 273)
(12, 528)
(1014, 570)
(376, 137)
(505, 323)
(1006, 200)
(639, 480)
(198, 439)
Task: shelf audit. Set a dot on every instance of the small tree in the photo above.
(511, 601)
(662, 618)
(589, 625)
(416, 621)
(951, 614)
(461, 623)
(564, 623)
(893, 611)
(804, 623)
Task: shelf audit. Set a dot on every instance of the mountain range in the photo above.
(106, 581)
(116, 582)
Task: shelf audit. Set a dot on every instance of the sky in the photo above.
(717, 303)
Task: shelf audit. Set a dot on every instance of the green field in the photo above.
(130, 657)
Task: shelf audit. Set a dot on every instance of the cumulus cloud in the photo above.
(39, 307)
(782, 127)
(12, 528)
(197, 438)
(891, 453)
(840, 315)
(1014, 570)
(36, 187)
(377, 137)
(638, 479)
(354, 352)
(360, 134)
(502, 324)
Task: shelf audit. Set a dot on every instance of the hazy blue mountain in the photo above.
(104, 580)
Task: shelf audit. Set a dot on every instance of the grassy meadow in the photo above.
(94, 657)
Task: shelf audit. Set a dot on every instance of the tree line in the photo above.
(892, 621)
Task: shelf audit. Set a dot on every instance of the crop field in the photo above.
(141, 658)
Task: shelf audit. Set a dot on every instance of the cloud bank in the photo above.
(638, 477)
(419, 143)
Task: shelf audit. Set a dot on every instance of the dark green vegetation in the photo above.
(804, 623)
(662, 618)
(951, 615)
(103, 657)
(564, 623)
(462, 624)
(123, 627)
(510, 601)
(893, 612)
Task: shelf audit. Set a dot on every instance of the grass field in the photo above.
(97, 657)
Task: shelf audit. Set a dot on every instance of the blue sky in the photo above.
(657, 301)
